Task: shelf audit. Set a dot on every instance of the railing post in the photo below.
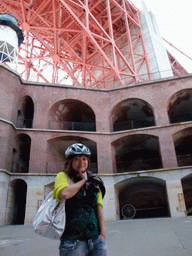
(132, 124)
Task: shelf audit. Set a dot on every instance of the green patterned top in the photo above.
(81, 220)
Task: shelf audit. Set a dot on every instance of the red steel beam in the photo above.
(94, 43)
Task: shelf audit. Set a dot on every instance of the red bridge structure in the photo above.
(95, 43)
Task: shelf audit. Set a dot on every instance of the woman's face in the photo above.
(80, 163)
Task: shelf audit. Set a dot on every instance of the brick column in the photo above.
(176, 198)
(167, 149)
(102, 123)
(114, 162)
(104, 155)
(161, 115)
(7, 135)
(41, 115)
(38, 152)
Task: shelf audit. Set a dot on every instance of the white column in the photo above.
(35, 197)
(176, 198)
(157, 55)
(109, 200)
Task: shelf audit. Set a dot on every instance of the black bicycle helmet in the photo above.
(77, 149)
(95, 179)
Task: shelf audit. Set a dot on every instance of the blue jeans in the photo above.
(97, 247)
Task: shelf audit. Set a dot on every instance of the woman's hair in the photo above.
(69, 170)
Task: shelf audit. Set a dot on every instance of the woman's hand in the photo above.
(83, 175)
(102, 237)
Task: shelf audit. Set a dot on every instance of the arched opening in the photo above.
(21, 154)
(136, 153)
(180, 107)
(72, 115)
(146, 195)
(25, 113)
(187, 191)
(56, 152)
(132, 114)
(183, 147)
(15, 212)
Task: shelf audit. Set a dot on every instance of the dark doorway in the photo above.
(18, 194)
(187, 191)
(144, 198)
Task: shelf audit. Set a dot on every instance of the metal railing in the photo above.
(134, 124)
(74, 126)
(24, 123)
(139, 165)
(178, 118)
(19, 167)
(184, 160)
(151, 164)
(55, 167)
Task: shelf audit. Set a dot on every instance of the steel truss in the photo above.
(96, 43)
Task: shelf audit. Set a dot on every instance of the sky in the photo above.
(174, 19)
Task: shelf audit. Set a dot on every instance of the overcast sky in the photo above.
(174, 18)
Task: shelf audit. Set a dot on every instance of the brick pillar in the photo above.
(161, 115)
(114, 162)
(7, 135)
(37, 163)
(176, 198)
(167, 150)
(104, 156)
(102, 124)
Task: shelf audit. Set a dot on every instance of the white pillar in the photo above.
(157, 55)
(176, 198)
(109, 199)
(35, 197)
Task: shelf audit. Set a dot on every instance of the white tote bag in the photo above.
(50, 218)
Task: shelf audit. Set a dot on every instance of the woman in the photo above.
(85, 232)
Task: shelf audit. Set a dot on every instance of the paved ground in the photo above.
(144, 237)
